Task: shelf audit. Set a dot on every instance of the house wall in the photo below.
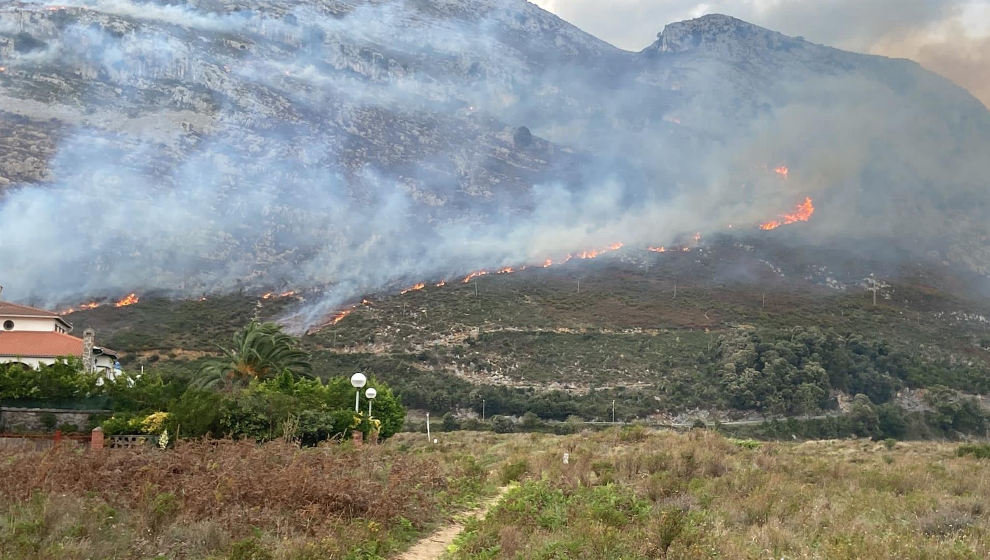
(30, 362)
(30, 324)
(104, 364)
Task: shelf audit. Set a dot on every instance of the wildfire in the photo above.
(802, 213)
(415, 288)
(441, 283)
(341, 315)
(660, 249)
(782, 170)
(273, 295)
(474, 275)
(130, 299)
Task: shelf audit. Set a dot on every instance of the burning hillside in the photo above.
(802, 213)
(362, 158)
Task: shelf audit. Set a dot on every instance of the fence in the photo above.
(41, 442)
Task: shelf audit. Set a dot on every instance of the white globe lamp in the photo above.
(370, 393)
(358, 380)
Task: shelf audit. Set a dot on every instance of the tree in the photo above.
(503, 424)
(260, 351)
(865, 422)
(450, 423)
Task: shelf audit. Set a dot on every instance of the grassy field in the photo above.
(623, 494)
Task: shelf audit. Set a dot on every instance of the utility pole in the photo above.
(482, 410)
(764, 300)
(675, 290)
(613, 411)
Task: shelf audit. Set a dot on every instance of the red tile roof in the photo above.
(15, 310)
(27, 344)
(24, 311)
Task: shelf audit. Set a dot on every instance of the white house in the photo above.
(35, 337)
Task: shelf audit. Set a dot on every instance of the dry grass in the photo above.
(237, 498)
(624, 494)
(698, 495)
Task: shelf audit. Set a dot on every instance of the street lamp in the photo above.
(370, 393)
(357, 381)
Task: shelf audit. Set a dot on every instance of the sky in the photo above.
(951, 37)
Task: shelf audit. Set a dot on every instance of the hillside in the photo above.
(356, 147)
(569, 339)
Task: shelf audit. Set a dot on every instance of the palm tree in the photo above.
(260, 351)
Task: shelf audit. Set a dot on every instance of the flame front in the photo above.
(802, 213)
(415, 288)
(782, 170)
(474, 275)
(341, 315)
(130, 299)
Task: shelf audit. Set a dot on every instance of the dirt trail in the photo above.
(433, 546)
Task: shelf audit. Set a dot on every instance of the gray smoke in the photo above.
(218, 146)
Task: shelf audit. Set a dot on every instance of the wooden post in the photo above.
(358, 438)
(58, 437)
(373, 437)
(96, 439)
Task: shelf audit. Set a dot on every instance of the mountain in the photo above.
(212, 146)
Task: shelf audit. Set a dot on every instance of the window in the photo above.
(8, 325)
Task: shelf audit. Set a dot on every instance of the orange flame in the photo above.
(474, 275)
(802, 213)
(782, 170)
(341, 315)
(415, 288)
(660, 249)
(273, 295)
(130, 299)
(441, 283)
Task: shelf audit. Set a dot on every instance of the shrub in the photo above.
(250, 549)
(48, 420)
(67, 428)
(503, 424)
(980, 451)
(512, 472)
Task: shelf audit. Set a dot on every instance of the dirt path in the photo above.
(433, 546)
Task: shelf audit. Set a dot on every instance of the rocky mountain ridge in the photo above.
(216, 145)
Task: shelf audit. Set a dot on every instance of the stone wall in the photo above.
(32, 419)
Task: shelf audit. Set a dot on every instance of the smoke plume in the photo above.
(213, 147)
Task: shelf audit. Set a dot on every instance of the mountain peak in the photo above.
(718, 33)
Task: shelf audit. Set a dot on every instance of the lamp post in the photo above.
(357, 381)
(370, 393)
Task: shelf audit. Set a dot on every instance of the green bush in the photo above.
(249, 549)
(980, 451)
(48, 420)
(122, 425)
(512, 472)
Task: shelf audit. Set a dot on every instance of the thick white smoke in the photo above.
(216, 147)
